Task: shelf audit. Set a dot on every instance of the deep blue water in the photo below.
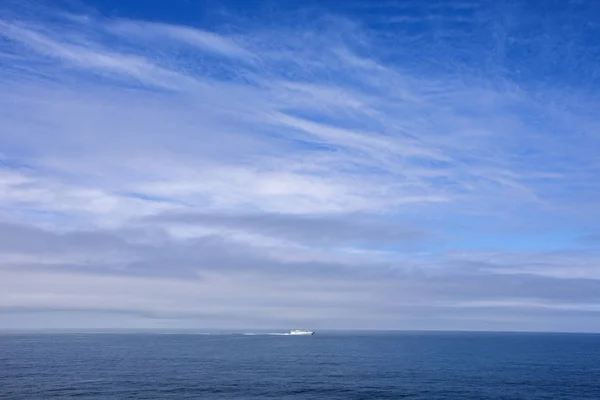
(324, 366)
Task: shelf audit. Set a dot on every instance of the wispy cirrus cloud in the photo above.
(384, 170)
(94, 58)
(154, 32)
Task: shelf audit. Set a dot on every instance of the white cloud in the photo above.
(108, 121)
(92, 57)
(153, 32)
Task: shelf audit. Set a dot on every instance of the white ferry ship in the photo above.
(301, 332)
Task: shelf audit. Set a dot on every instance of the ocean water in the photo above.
(323, 366)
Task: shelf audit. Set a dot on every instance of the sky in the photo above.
(276, 164)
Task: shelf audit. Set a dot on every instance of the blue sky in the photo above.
(381, 165)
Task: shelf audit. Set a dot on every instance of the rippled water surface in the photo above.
(324, 366)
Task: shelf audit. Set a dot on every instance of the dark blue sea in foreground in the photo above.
(324, 366)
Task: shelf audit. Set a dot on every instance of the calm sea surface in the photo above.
(324, 366)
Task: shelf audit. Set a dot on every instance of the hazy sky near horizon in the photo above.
(256, 164)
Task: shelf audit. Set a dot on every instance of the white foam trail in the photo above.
(265, 334)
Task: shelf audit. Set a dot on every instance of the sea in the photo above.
(328, 365)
